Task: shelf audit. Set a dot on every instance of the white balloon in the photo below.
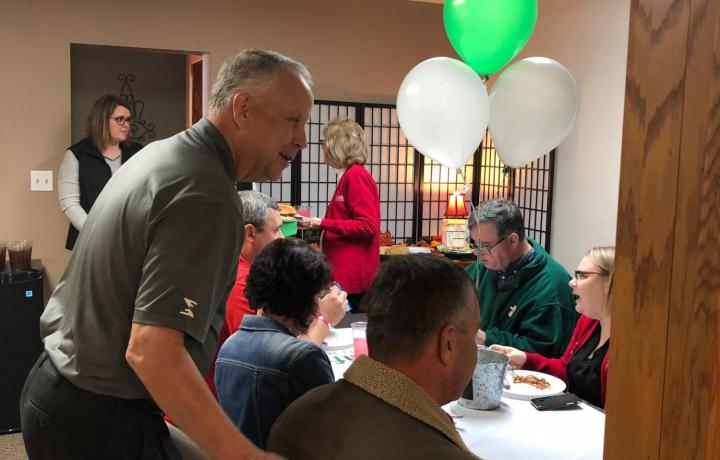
(443, 109)
(533, 105)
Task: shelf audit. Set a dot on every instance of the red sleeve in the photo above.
(363, 203)
(558, 366)
(237, 304)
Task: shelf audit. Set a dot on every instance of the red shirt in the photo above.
(235, 308)
(558, 366)
(351, 237)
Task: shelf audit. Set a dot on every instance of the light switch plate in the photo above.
(41, 181)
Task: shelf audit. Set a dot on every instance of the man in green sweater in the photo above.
(525, 299)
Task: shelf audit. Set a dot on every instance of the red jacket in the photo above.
(351, 237)
(558, 366)
(235, 308)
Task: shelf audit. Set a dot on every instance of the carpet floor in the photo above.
(12, 447)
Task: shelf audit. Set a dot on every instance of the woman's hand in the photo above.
(332, 305)
(311, 223)
(517, 357)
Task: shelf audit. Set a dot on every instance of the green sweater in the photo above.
(537, 316)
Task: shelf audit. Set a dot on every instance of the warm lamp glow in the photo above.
(456, 206)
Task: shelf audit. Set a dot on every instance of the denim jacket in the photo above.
(261, 369)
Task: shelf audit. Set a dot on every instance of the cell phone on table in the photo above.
(555, 402)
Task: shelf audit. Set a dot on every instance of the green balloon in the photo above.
(487, 34)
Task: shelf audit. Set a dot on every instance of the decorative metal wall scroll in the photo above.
(141, 130)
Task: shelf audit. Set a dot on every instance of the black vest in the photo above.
(93, 174)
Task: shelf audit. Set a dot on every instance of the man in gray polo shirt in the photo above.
(134, 320)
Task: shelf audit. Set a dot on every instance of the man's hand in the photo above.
(480, 337)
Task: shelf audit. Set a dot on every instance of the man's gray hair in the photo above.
(255, 206)
(250, 71)
(503, 213)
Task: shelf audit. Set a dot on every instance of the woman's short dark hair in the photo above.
(286, 279)
(99, 119)
(411, 299)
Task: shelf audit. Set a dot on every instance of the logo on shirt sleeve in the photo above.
(188, 310)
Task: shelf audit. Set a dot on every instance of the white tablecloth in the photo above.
(516, 430)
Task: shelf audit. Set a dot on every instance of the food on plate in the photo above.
(395, 250)
(287, 210)
(537, 382)
(443, 248)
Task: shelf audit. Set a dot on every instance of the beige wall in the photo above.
(356, 50)
(590, 38)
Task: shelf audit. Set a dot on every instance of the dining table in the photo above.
(515, 430)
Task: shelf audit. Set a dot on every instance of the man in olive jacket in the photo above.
(525, 299)
(422, 320)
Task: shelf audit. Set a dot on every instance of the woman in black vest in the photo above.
(90, 163)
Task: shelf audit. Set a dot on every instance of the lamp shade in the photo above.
(456, 206)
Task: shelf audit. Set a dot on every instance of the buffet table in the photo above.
(515, 429)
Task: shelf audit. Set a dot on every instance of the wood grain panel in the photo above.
(692, 377)
(664, 390)
(655, 87)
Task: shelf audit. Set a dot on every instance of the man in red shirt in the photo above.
(262, 225)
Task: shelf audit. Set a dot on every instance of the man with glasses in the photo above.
(525, 300)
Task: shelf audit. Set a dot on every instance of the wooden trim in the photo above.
(663, 391)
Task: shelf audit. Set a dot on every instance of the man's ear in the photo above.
(250, 232)
(240, 105)
(447, 344)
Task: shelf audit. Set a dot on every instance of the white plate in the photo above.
(338, 339)
(527, 392)
(418, 250)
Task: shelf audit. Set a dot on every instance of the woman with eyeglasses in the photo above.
(89, 164)
(351, 226)
(584, 364)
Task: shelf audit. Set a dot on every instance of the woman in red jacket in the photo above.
(351, 226)
(584, 364)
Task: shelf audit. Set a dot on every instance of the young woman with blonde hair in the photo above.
(584, 364)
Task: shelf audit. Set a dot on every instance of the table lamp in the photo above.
(453, 227)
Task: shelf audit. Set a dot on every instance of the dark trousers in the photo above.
(62, 421)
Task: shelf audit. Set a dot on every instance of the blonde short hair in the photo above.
(603, 258)
(345, 143)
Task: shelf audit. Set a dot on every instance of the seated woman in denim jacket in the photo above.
(264, 367)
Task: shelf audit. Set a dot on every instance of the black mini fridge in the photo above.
(21, 304)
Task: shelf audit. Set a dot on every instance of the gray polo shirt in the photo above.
(160, 247)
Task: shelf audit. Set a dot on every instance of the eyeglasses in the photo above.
(581, 275)
(487, 248)
(471, 242)
(322, 142)
(122, 121)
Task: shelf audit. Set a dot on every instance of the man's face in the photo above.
(275, 129)
(271, 230)
(467, 356)
(494, 252)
